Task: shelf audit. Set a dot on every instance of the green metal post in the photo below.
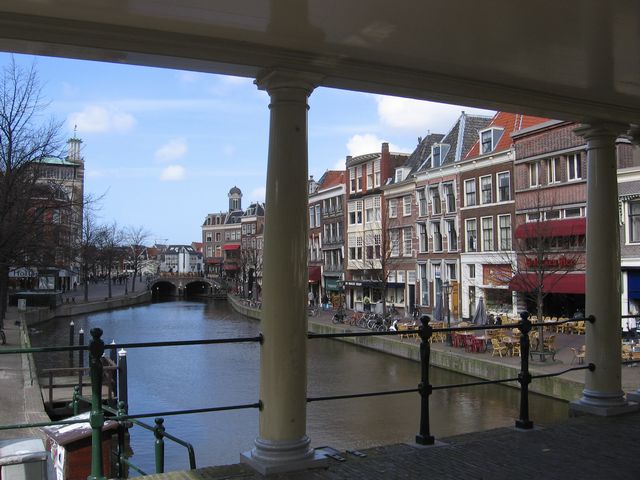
(159, 433)
(96, 418)
(122, 431)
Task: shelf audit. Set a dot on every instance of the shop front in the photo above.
(563, 293)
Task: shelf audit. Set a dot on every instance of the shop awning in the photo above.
(552, 283)
(633, 284)
(553, 228)
(232, 246)
(230, 266)
(314, 274)
(214, 261)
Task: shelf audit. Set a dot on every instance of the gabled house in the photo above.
(487, 216)
(438, 224)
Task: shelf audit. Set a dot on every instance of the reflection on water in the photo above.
(178, 378)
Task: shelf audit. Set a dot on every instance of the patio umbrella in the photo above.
(480, 317)
(438, 311)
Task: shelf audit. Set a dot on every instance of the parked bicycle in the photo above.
(339, 316)
(312, 310)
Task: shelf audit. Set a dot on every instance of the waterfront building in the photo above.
(326, 233)
(181, 259)
(252, 244)
(402, 234)
(487, 216)
(365, 272)
(439, 195)
(62, 180)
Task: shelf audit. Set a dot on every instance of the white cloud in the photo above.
(173, 173)
(418, 116)
(101, 119)
(258, 195)
(368, 143)
(173, 150)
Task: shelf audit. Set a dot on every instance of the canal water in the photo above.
(178, 378)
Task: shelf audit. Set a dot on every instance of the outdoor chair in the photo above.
(579, 327)
(498, 348)
(578, 354)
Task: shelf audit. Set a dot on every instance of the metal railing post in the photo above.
(80, 359)
(158, 431)
(72, 334)
(122, 447)
(75, 401)
(425, 388)
(96, 418)
(123, 394)
(524, 377)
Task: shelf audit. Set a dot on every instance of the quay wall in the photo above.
(560, 388)
(33, 316)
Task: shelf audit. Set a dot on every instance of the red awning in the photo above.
(314, 274)
(230, 266)
(232, 246)
(552, 283)
(214, 261)
(553, 228)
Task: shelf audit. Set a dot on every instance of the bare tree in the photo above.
(87, 248)
(135, 237)
(251, 267)
(26, 207)
(109, 245)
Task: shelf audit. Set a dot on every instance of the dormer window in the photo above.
(489, 139)
(436, 155)
(401, 174)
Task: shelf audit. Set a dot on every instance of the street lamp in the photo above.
(446, 291)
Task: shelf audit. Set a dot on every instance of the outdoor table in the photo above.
(509, 343)
(480, 343)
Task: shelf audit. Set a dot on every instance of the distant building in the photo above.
(181, 259)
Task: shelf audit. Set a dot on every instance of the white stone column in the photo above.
(282, 443)
(603, 393)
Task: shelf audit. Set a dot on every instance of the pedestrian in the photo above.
(311, 298)
(367, 304)
(325, 302)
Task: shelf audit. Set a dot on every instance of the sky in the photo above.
(163, 147)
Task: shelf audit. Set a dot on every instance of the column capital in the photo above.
(277, 78)
(597, 129)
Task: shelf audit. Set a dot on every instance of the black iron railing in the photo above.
(425, 389)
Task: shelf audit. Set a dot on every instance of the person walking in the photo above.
(311, 298)
(367, 304)
(325, 302)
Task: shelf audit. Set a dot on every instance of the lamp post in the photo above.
(446, 291)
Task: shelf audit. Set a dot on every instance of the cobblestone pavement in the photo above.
(585, 448)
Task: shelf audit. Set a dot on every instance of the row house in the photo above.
(326, 233)
(438, 193)
(404, 239)
(364, 272)
(181, 259)
(251, 248)
(487, 216)
(550, 179)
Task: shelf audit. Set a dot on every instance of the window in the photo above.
(574, 167)
(634, 222)
(472, 235)
(552, 215)
(218, 236)
(394, 242)
(318, 215)
(352, 179)
(572, 212)
(504, 223)
(452, 271)
(553, 170)
(406, 241)
(534, 175)
(406, 205)
(452, 235)
(487, 234)
(486, 141)
(436, 152)
(208, 237)
(393, 208)
(422, 237)
(450, 197)
(437, 236)
(485, 190)
(470, 192)
(355, 247)
(359, 178)
(376, 173)
(355, 213)
(436, 203)
(370, 175)
(311, 217)
(504, 187)
(472, 270)
(424, 284)
(422, 202)
(533, 217)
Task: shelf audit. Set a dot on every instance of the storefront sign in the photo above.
(560, 262)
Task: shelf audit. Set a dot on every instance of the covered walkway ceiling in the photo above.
(572, 59)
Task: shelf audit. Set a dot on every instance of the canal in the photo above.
(177, 378)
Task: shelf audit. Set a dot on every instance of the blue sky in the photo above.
(165, 146)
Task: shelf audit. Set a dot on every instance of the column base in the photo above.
(270, 456)
(603, 404)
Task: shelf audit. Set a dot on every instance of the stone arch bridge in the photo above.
(180, 285)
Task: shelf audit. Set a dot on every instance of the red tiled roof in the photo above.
(511, 122)
(331, 178)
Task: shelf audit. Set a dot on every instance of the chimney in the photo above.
(385, 147)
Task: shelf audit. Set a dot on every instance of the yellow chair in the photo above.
(579, 354)
(498, 347)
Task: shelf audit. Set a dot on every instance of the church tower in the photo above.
(235, 199)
